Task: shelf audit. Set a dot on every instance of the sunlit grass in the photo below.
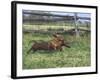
(76, 56)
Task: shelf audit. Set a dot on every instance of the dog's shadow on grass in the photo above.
(43, 52)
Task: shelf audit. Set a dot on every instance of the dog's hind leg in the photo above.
(29, 50)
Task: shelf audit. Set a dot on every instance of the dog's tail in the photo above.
(32, 41)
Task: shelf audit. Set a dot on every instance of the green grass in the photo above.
(76, 56)
(46, 26)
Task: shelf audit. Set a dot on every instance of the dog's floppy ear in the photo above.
(55, 35)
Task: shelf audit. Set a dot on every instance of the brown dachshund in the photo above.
(55, 44)
(57, 41)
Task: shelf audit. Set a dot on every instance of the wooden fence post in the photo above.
(76, 26)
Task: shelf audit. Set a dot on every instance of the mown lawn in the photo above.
(76, 56)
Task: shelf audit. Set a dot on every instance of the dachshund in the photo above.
(55, 44)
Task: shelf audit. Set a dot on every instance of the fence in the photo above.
(42, 21)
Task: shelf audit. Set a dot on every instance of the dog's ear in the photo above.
(55, 35)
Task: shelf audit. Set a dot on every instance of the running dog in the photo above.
(55, 44)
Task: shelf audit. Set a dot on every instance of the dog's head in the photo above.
(58, 37)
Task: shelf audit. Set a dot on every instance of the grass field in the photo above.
(76, 56)
(35, 27)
